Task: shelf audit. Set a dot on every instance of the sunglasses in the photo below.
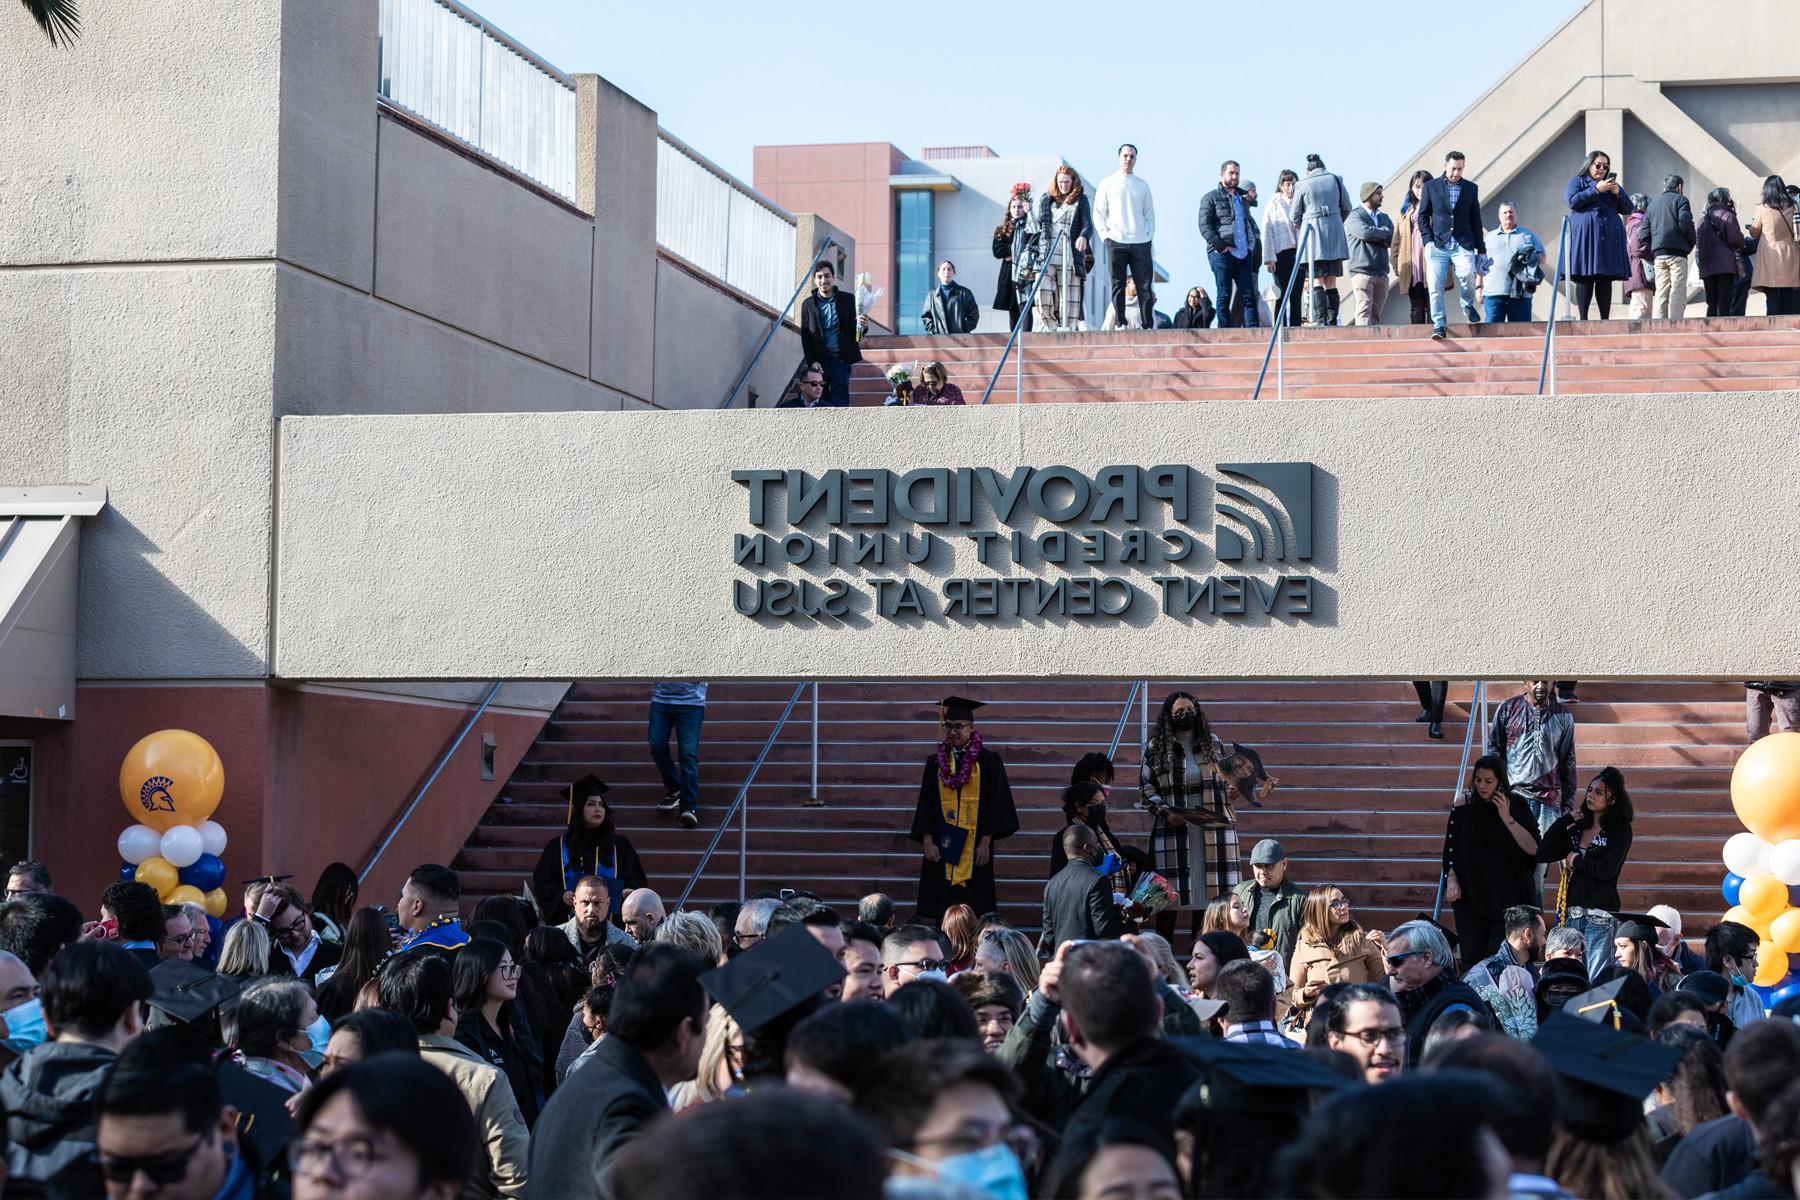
(160, 1168)
(1394, 960)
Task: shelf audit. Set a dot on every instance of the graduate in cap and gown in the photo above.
(589, 845)
(965, 806)
(1601, 1145)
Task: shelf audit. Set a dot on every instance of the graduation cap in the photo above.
(1602, 1074)
(1605, 1005)
(1708, 987)
(773, 977)
(1246, 1077)
(187, 992)
(585, 789)
(263, 1119)
(958, 708)
(1639, 925)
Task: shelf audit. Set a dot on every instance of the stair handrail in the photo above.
(443, 761)
(1124, 715)
(1025, 304)
(775, 325)
(1280, 314)
(737, 802)
(1477, 710)
(1546, 368)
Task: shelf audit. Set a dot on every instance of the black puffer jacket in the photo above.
(48, 1096)
(1218, 219)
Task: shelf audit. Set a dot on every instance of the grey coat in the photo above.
(1322, 201)
(1369, 234)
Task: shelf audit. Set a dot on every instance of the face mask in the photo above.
(1109, 864)
(937, 975)
(1740, 980)
(1096, 814)
(993, 1172)
(318, 1034)
(1182, 720)
(25, 1026)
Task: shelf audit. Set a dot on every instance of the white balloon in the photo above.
(212, 837)
(1746, 854)
(181, 846)
(1784, 861)
(139, 842)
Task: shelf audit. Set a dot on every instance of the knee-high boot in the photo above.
(1318, 305)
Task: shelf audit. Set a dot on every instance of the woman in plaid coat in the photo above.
(1193, 838)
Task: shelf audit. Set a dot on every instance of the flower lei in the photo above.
(952, 772)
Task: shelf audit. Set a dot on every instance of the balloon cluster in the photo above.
(171, 782)
(1762, 883)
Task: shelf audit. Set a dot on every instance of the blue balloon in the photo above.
(1731, 887)
(127, 872)
(1787, 989)
(206, 873)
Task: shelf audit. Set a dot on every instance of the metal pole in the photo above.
(775, 326)
(1280, 372)
(815, 742)
(1144, 716)
(487, 698)
(1019, 362)
(743, 842)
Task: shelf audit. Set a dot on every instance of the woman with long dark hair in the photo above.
(589, 845)
(1490, 858)
(1777, 253)
(1409, 253)
(1016, 246)
(1084, 802)
(1694, 1093)
(1592, 844)
(486, 985)
(1193, 835)
(333, 900)
(1597, 210)
(1715, 254)
(367, 941)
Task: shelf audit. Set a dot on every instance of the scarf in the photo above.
(965, 777)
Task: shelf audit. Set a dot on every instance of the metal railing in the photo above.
(775, 327)
(443, 761)
(1278, 326)
(1025, 304)
(723, 226)
(1547, 368)
(1124, 716)
(1477, 720)
(740, 807)
(445, 64)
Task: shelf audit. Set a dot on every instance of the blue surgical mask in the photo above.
(994, 1172)
(25, 1026)
(1109, 864)
(318, 1034)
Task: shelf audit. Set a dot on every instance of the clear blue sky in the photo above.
(725, 77)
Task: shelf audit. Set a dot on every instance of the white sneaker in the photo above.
(1081, 327)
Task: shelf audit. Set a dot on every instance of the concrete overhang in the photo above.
(39, 555)
(924, 183)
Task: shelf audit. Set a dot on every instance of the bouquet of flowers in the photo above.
(1153, 893)
(900, 379)
(866, 296)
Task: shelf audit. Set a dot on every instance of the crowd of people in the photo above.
(587, 1042)
(1647, 247)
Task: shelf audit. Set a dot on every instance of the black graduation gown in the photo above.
(548, 883)
(995, 818)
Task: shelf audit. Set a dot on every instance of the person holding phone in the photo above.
(1597, 210)
(1489, 859)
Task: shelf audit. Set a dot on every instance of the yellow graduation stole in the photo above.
(962, 816)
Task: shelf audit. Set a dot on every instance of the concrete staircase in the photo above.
(1361, 798)
(1592, 358)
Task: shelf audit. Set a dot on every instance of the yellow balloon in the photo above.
(161, 875)
(1765, 787)
(1784, 932)
(185, 893)
(215, 902)
(1771, 969)
(1764, 897)
(171, 777)
(1749, 920)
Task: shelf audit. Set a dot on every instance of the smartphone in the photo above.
(1612, 177)
(109, 928)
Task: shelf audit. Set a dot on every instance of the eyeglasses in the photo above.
(1394, 960)
(958, 726)
(1374, 1037)
(812, 383)
(922, 964)
(976, 1137)
(746, 940)
(161, 1168)
(508, 970)
(350, 1157)
(180, 939)
(1340, 902)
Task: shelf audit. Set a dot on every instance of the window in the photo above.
(912, 260)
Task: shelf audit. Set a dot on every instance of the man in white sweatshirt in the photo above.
(1125, 218)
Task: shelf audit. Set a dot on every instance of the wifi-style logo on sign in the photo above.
(1242, 514)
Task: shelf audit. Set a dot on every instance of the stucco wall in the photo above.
(705, 340)
(1480, 538)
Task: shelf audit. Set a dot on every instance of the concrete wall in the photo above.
(1646, 555)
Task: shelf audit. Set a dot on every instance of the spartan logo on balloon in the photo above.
(155, 795)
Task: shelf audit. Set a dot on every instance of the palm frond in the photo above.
(59, 19)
